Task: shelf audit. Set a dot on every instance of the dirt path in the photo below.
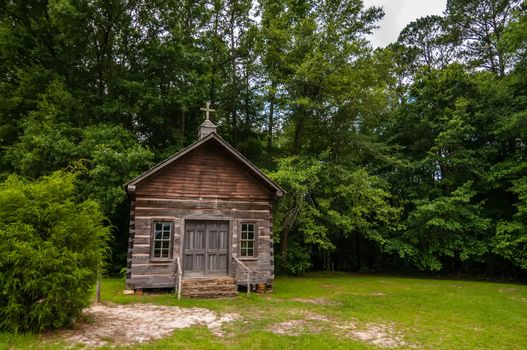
(137, 323)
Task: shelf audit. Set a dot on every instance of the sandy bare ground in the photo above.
(316, 301)
(109, 324)
(138, 323)
(379, 334)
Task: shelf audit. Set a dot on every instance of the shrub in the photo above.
(51, 248)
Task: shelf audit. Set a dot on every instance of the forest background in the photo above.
(407, 158)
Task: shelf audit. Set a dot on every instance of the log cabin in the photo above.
(201, 222)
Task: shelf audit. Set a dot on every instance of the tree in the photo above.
(109, 153)
(429, 43)
(447, 226)
(326, 204)
(360, 214)
(511, 236)
(481, 25)
(317, 65)
(51, 250)
(367, 142)
(450, 128)
(297, 214)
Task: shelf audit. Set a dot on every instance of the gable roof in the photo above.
(212, 137)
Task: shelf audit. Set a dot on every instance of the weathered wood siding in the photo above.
(205, 184)
(146, 273)
(206, 172)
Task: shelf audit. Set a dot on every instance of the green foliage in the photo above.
(447, 226)
(51, 249)
(355, 202)
(429, 43)
(326, 203)
(511, 236)
(112, 157)
(108, 154)
(297, 213)
(384, 153)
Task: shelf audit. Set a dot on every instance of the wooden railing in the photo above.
(178, 278)
(247, 271)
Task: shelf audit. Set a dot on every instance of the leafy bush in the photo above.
(51, 248)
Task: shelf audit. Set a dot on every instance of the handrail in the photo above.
(179, 277)
(249, 272)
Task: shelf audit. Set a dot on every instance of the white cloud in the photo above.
(398, 13)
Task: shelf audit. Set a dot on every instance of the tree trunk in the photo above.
(284, 246)
(299, 131)
(234, 96)
(270, 126)
(182, 124)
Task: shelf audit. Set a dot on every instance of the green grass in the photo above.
(431, 314)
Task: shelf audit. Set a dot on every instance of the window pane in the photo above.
(161, 242)
(247, 239)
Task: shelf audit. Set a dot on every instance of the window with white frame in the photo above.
(162, 238)
(248, 240)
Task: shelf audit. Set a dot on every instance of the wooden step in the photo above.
(207, 280)
(209, 287)
(209, 294)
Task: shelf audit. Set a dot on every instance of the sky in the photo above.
(398, 13)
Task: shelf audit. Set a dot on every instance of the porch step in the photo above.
(209, 287)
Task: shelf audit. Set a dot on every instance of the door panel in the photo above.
(206, 248)
(217, 248)
(194, 248)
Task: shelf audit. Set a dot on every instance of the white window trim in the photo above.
(254, 240)
(170, 240)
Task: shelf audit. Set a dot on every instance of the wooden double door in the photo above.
(206, 248)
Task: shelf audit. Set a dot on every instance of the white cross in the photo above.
(207, 109)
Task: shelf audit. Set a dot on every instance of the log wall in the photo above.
(144, 272)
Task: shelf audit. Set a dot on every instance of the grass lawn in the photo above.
(429, 314)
